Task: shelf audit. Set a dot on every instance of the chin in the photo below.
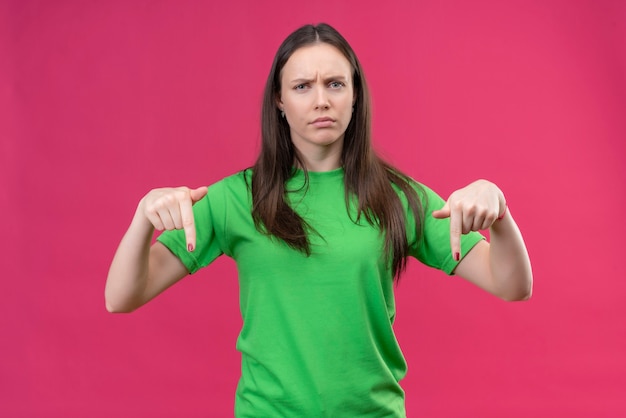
(326, 139)
(321, 139)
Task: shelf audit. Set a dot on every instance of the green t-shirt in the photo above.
(317, 337)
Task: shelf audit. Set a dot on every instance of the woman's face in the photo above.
(317, 98)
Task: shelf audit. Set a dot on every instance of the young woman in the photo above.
(319, 229)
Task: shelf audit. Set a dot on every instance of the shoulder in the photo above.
(408, 188)
(233, 191)
(238, 183)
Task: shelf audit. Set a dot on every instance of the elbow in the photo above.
(119, 302)
(521, 295)
(116, 308)
(112, 308)
(518, 297)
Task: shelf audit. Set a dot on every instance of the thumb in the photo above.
(442, 213)
(197, 194)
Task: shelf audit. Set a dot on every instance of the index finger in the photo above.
(456, 228)
(189, 225)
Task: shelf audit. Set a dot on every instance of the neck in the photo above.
(321, 165)
(321, 159)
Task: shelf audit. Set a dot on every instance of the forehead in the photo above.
(317, 59)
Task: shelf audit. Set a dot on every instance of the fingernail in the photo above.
(190, 247)
(457, 256)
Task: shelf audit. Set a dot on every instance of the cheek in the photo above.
(348, 111)
(293, 105)
(349, 103)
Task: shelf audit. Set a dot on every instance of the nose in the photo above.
(321, 99)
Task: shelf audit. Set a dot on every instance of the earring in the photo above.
(282, 114)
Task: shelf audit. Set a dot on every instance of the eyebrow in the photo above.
(326, 80)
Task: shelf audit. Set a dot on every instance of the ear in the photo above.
(279, 103)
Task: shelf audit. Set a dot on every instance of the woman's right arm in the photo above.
(140, 271)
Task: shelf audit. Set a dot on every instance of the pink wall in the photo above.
(101, 101)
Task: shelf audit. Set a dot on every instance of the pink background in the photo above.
(101, 101)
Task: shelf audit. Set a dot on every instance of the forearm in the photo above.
(128, 274)
(508, 260)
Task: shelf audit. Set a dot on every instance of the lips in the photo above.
(323, 122)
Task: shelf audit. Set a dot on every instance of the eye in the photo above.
(336, 84)
(300, 87)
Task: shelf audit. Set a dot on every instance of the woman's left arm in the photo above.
(502, 266)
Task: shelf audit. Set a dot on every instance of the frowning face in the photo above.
(317, 97)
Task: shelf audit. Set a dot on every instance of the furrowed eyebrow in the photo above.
(336, 78)
(311, 80)
(301, 81)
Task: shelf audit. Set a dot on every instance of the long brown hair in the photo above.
(366, 176)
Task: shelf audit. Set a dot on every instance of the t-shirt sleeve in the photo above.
(208, 242)
(433, 247)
